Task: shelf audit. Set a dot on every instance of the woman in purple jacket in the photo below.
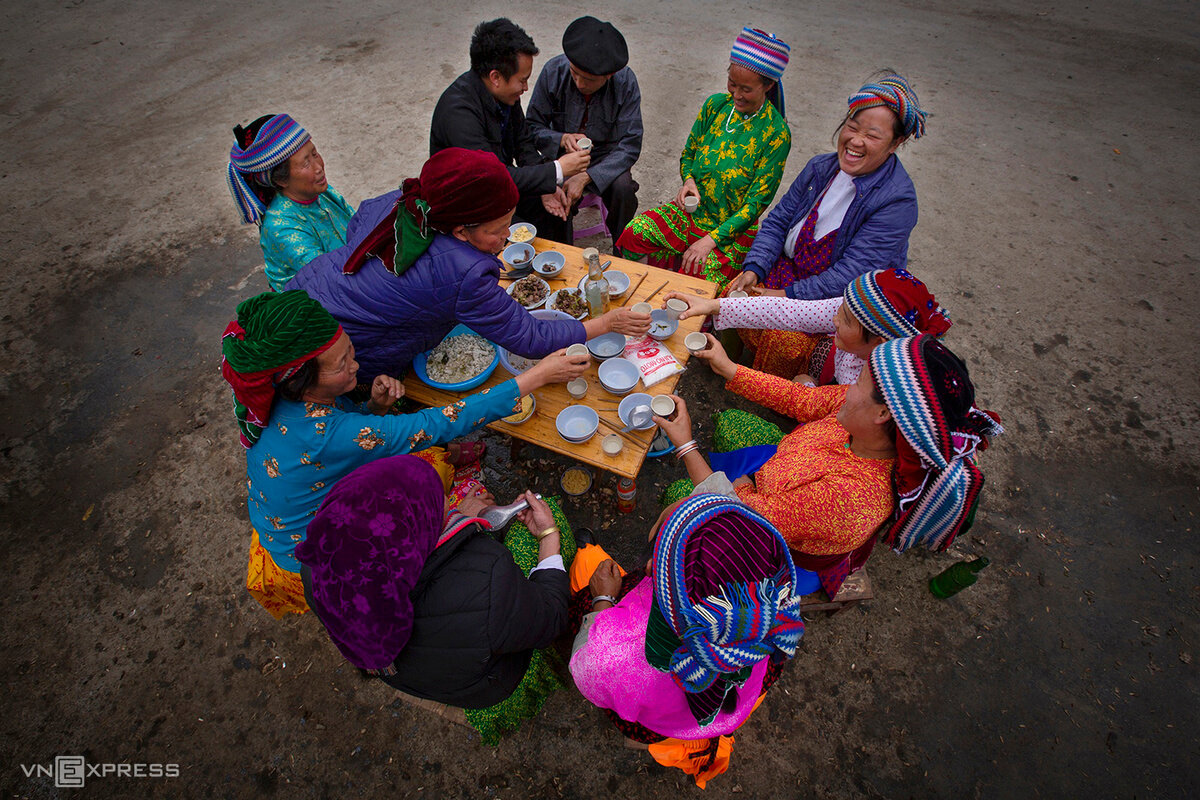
(428, 263)
(848, 213)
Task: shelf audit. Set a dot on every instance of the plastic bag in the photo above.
(653, 360)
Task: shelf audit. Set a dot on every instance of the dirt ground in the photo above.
(1057, 227)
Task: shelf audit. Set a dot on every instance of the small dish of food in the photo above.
(518, 255)
(549, 264)
(661, 324)
(528, 404)
(568, 301)
(521, 232)
(531, 291)
(618, 282)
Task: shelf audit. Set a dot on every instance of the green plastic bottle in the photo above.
(957, 577)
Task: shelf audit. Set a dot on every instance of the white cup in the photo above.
(578, 350)
(737, 293)
(584, 144)
(577, 388)
(641, 308)
(690, 204)
(663, 406)
(612, 445)
(695, 343)
(675, 307)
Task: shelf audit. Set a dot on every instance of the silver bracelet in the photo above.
(686, 448)
(603, 597)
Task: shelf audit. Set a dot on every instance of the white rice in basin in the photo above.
(459, 358)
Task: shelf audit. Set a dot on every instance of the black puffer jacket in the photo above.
(477, 620)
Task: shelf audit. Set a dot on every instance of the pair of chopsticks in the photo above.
(629, 295)
(617, 429)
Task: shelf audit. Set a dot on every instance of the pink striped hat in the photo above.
(760, 52)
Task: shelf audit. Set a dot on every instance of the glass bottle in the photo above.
(956, 577)
(595, 290)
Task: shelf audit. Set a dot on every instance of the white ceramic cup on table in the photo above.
(612, 445)
(577, 388)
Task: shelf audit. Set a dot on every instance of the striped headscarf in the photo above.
(764, 54)
(272, 337)
(893, 303)
(723, 601)
(929, 393)
(276, 141)
(894, 93)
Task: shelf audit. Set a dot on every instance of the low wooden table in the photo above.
(553, 398)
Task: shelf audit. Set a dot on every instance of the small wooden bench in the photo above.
(855, 589)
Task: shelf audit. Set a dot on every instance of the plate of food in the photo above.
(462, 361)
(568, 301)
(531, 291)
(521, 232)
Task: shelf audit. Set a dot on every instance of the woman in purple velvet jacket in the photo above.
(427, 263)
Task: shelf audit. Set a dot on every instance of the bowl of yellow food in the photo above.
(528, 404)
(576, 481)
(521, 232)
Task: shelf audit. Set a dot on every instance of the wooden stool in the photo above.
(451, 713)
(855, 589)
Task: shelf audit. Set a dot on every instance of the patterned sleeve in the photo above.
(778, 313)
(692, 146)
(395, 434)
(779, 394)
(771, 156)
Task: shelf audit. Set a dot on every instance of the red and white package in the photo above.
(653, 360)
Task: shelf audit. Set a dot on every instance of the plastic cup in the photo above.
(577, 388)
(690, 204)
(663, 406)
(612, 445)
(641, 308)
(675, 307)
(695, 343)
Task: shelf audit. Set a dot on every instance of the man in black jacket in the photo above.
(481, 110)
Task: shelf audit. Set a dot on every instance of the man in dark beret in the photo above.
(589, 92)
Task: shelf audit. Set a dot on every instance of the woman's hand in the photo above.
(695, 256)
(538, 516)
(743, 282)
(744, 480)
(622, 320)
(697, 306)
(761, 291)
(689, 189)
(474, 504)
(606, 579)
(556, 203)
(557, 367)
(678, 430)
(718, 360)
(385, 391)
(804, 379)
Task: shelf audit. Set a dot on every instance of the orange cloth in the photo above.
(278, 590)
(587, 558)
(824, 499)
(703, 758)
(440, 460)
(782, 353)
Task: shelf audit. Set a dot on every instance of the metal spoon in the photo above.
(638, 418)
(499, 516)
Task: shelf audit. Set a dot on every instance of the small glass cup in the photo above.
(577, 388)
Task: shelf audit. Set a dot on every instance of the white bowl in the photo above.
(618, 376)
(549, 264)
(607, 345)
(618, 282)
(662, 327)
(631, 402)
(512, 230)
(577, 424)
(518, 255)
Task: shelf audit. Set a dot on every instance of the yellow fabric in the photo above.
(587, 558)
(278, 590)
(439, 459)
